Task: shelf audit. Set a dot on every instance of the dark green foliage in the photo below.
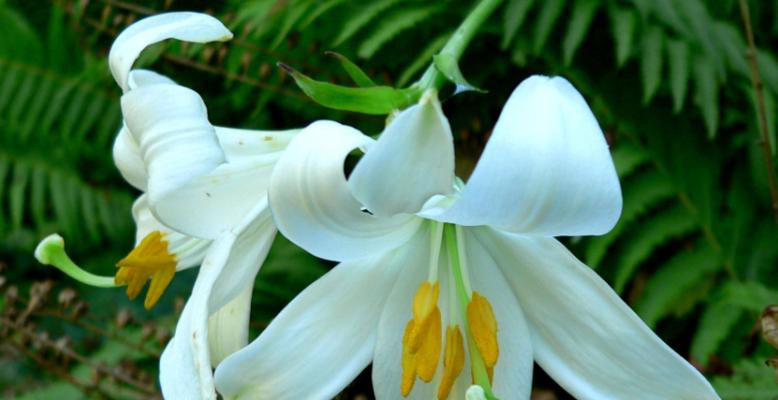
(695, 252)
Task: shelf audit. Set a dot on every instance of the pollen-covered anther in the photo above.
(453, 361)
(422, 338)
(483, 327)
(150, 259)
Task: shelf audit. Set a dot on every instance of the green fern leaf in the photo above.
(751, 380)
(651, 62)
(549, 14)
(717, 322)
(678, 64)
(706, 94)
(391, 26)
(623, 24)
(364, 16)
(581, 19)
(515, 13)
(644, 239)
(673, 280)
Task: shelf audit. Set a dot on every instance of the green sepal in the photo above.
(377, 100)
(357, 74)
(448, 66)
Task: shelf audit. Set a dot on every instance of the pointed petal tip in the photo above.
(185, 26)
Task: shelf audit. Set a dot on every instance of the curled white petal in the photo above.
(247, 144)
(546, 169)
(411, 161)
(313, 206)
(186, 26)
(126, 156)
(228, 327)
(583, 334)
(191, 186)
(185, 365)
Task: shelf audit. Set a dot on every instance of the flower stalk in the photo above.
(456, 45)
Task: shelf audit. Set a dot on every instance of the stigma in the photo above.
(150, 259)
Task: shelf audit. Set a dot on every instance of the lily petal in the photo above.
(247, 144)
(126, 156)
(185, 365)
(228, 327)
(331, 323)
(513, 371)
(546, 169)
(313, 206)
(583, 334)
(189, 251)
(387, 359)
(411, 161)
(186, 26)
(190, 186)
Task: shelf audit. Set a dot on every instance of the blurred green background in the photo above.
(695, 252)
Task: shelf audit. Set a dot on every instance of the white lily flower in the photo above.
(469, 289)
(204, 203)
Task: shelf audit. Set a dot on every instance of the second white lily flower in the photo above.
(441, 288)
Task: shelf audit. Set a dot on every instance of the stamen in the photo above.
(51, 251)
(422, 338)
(148, 260)
(436, 238)
(483, 327)
(453, 361)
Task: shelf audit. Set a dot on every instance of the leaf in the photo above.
(391, 26)
(673, 280)
(515, 13)
(651, 62)
(322, 8)
(448, 66)
(706, 94)
(751, 380)
(641, 193)
(623, 23)
(627, 158)
(292, 16)
(678, 64)
(715, 325)
(422, 59)
(751, 296)
(548, 16)
(365, 15)
(582, 14)
(647, 237)
(373, 100)
(357, 74)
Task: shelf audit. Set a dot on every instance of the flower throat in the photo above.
(468, 311)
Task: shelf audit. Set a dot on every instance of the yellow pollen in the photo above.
(483, 327)
(149, 259)
(453, 361)
(422, 338)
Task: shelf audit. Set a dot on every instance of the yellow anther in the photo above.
(425, 303)
(149, 259)
(422, 338)
(483, 327)
(453, 361)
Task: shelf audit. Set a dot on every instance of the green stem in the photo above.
(480, 376)
(51, 251)
(456, 45)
